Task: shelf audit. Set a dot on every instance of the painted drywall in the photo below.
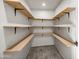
(42, 14)
(2, 13)
(26, 6)
(67, 52)
(2, 42)
(47, 22)
(42, 40)
(19, 55)
(2, 20)
(11, 38)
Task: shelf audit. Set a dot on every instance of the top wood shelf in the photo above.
(62, 13)
(16, 25)
(20, 45)
(64, 41)
(19, 5)
(62, 25)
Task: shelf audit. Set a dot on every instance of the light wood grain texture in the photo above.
(18, 4)
(20, 45)
(64, 41)
(40, 19)
(44, 52)
(63, 12)
(63, 25)
(42, 26)
(16, 25)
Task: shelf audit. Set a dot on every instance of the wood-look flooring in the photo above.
(45, 52)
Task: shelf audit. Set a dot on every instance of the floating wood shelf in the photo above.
(20, 45)
(65, 25)
(19, 5)
(16, 25)
(40, 19)
(42, 26)
(21, 25)
(64, 41)
(62, 13)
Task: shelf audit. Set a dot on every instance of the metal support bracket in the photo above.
(42, 20)
(68, 18)
(68, 29)
(58, 18)
(76, 43)
(42, 28)
(68, 14)
(17, 9)
(42, 35)
(58, 28)
(15, 30)
(28, 28)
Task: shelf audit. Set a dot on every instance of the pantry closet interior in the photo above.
(38, 29)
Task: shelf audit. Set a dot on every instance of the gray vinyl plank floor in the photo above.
(44, 52)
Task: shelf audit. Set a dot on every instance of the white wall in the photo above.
(67, 52)
(44, 40)
(40, 40)
(42, 14)
(2, 20)
(11, 37)
(19, 55)
(2, 13)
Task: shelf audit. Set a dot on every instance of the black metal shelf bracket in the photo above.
(58, 28)
(76, 43)
(68, 18)
(58, 18)
(42, 28)
(42, 20)
(17, 9)
(15, 30)
(68, 29)
(28, 28)
(67, 13)
(42, 35)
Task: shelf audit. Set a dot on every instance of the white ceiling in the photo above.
(37, 4)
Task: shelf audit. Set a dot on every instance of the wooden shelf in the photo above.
(16, 25)
(17, 4)
(62, 13)
(64, 25)
(42, 26)
(64, 41)
(20, 45)
(21, 25)
(40, 19)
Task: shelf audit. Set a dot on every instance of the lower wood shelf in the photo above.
(16, 25)
(20, 45)
(64, 41)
